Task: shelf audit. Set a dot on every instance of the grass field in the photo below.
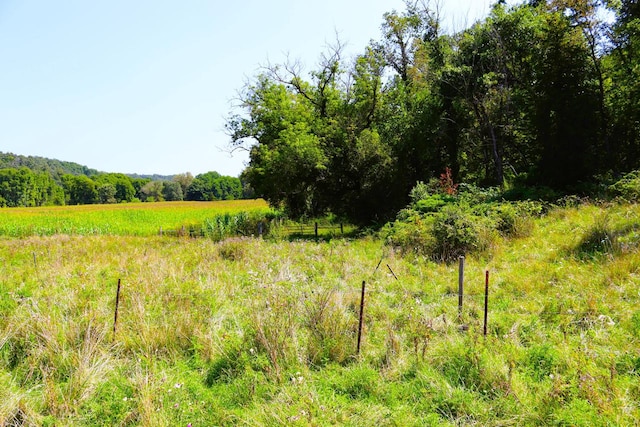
(254, 332)
(130, 219)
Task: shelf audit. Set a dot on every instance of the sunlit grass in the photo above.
(131, 219)
(263, 332)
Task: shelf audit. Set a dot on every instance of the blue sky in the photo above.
(144, 86)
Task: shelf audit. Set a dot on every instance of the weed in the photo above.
(233, 249)
(540, 362)
(331, 328)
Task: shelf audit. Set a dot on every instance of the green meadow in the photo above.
(126, 219)
(263, 332)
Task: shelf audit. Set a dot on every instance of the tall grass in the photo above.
(267, 336)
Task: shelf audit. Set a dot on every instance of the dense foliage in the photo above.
(543, 93)
(37, 181)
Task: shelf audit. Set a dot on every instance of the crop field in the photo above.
(130, 219)
(250, 331)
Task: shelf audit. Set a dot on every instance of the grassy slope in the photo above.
(263, 333)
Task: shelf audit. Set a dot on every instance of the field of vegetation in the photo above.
(249, 331)
(126, 219)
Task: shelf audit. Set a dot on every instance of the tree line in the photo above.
(23, 187)
(541, 93)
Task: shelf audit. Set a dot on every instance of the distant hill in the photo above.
(54, 167)
(154, 177)
(57, 168)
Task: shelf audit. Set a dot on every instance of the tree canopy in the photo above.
(543, 92)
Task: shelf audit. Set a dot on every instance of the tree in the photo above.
(623, 98)
(23, 187)
(123, 185)
(213, 186)
(171, 191)
(152, 191)
(106, 193)
(534, 91)
(287, 160)
(79, 190)
(138, 184)
(184, 180)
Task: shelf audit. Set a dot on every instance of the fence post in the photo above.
(341, 229)
(361, 318)
(394, 274)
(316, 230)
(460, 286)
(486, 300)
(115, 316)
(160, 231)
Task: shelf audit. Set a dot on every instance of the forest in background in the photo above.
(542, 94)
(37, 181)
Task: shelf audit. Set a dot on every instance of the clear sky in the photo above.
(144, 86)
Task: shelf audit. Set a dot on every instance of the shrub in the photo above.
(415, 236)
(456, 231)
(419, 192)
(445, 235)
(627, 187)
(433, 203)
(473, 195)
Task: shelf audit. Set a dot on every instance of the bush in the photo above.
(627, 188)
(456, 231)
(473, 195)
(415, 236)
(433, 203)
(419, 192)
